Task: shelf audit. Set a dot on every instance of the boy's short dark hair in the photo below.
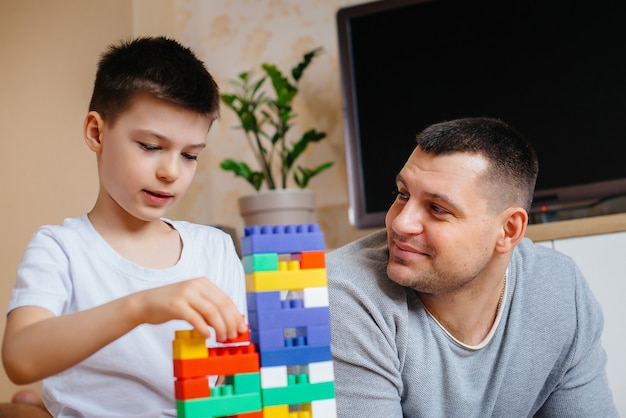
(157, 66)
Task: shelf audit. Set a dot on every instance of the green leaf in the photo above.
(298, 70)
(241, 169)
(299, 147)
(307, 174)
(285, 91)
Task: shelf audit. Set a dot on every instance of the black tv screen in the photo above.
(554, 69)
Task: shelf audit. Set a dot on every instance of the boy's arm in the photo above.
(38, 344)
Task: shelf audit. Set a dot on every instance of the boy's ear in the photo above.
(514, 224)
(92, 131)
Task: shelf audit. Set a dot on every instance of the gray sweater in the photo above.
(392, 359)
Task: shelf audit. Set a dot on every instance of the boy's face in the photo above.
(148, 157)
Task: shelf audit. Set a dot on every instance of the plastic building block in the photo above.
(310, 259)
(294, 356)
(220, 406)
(273, 377)
(243, 337)
(315, 297)
(298, 391)
(322, 408)
(321, 371)
(289, 315)
(260, 262)
(282, 239)
(189, 344)
(295, 279)
(191, 388)
(264, 301)
(316, 334)
(220, 361)
(277, 411)
(233, 360)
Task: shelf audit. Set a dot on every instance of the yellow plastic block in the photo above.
(189, 344)
(295, 279)
(276, 411)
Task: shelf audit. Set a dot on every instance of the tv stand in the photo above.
(594, 225)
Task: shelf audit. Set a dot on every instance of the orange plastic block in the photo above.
(192, 388)
(310, 259)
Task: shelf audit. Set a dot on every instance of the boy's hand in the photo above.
(198, 301)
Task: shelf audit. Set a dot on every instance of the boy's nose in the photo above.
(168, 169)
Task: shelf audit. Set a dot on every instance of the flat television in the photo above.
(553, 69)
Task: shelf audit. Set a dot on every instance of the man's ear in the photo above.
(514, 224)
(93, 129)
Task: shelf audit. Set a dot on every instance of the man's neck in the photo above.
(468, 316)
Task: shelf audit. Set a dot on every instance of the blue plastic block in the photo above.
(268, 338)
(295, 356)
(258, 301)
(317, 335)
(282, 239)
(289, 317)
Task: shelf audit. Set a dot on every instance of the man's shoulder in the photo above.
(371, 246)
(362, 260)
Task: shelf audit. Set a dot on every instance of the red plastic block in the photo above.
(195, 367)
(221, 361)
(310, 259)
(243, 337)
(233, 360)
(197, 387)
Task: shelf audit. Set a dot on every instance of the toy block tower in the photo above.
(239, 396)
(282, 368)
(289, 318)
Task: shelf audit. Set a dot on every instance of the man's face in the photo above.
(441, 228)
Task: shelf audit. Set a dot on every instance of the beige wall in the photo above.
(48, 54)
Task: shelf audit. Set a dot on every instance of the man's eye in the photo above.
(400, 195)
(439, 210)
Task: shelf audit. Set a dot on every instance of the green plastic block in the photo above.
(298, 393)
(260, 262)
(219, 406)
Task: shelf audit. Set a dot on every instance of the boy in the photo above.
(97, 299)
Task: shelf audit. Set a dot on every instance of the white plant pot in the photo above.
(276, 207)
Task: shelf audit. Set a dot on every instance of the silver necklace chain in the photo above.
(501, 295)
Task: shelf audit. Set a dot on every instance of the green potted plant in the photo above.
(266, 121)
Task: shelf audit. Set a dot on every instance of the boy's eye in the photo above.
(190, 156)
(148, 147)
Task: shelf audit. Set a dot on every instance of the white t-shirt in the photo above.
(71, 268)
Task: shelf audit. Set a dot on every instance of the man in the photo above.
(450, 311)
